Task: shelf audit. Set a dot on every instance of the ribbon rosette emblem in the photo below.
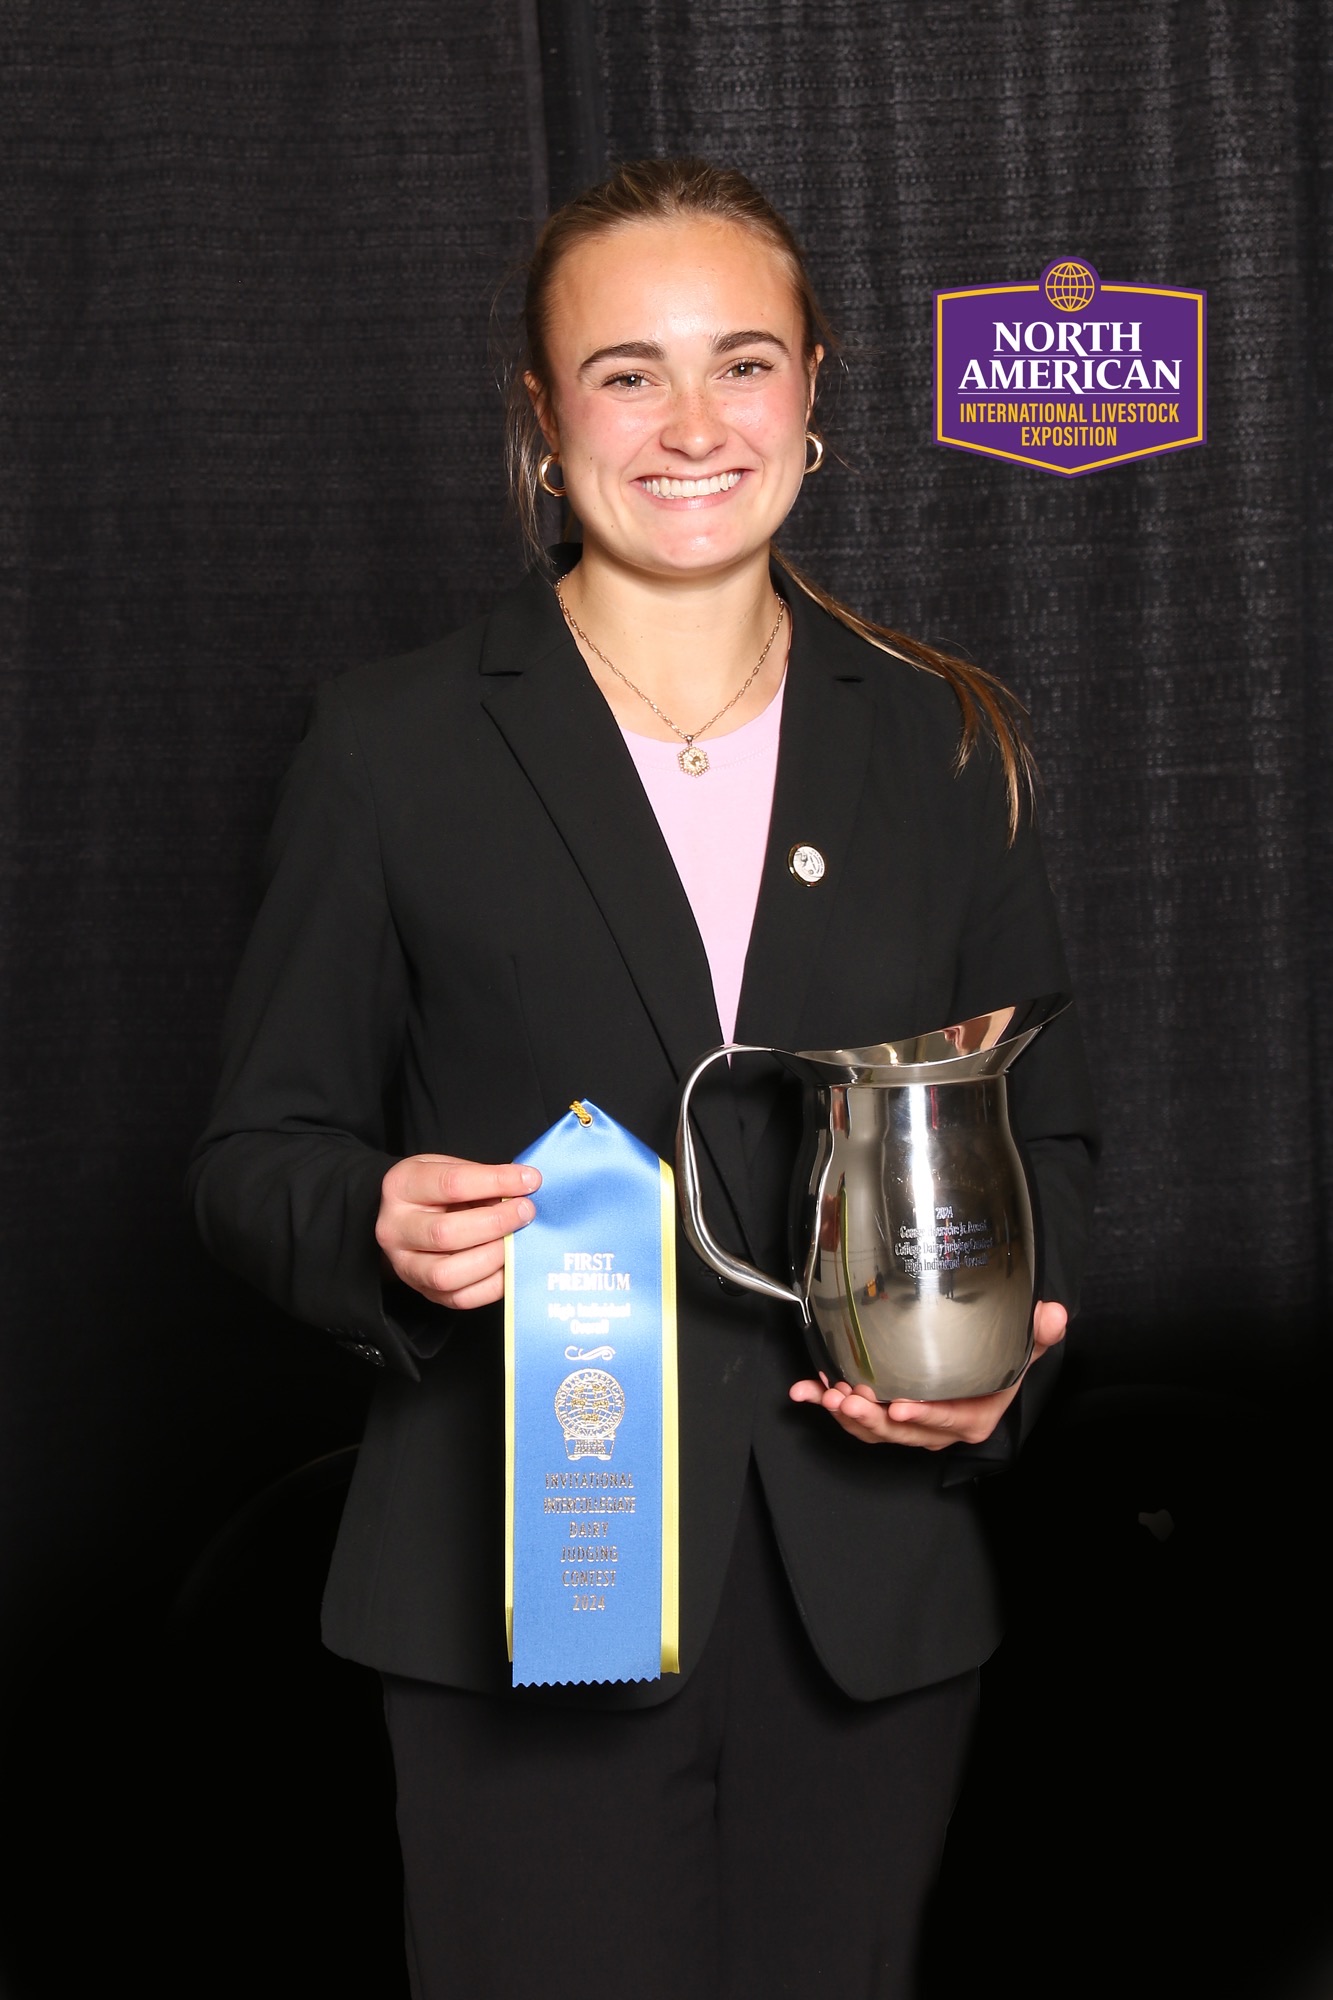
(589, 1404)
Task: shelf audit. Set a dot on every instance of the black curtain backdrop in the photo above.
(247, 396)
(253, 437)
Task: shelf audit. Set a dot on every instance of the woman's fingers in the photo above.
(438, 1180)
(444, 1231)
(444, 1280)
(971, 1418)
(896, 1423)
(1049, 1322)
(443, 1221)
(928, 1426)
(488, 1293)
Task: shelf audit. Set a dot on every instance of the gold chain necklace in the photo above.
(692, 760)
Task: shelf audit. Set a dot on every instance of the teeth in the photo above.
(690, 489)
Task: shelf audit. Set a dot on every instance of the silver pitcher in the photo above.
(913, 1257)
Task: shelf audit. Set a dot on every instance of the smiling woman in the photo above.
(668, 792)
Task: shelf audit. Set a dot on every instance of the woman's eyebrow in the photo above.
(625, 350)
(726, 343)
(652, 350)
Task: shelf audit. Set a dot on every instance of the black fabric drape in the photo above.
(250, 256)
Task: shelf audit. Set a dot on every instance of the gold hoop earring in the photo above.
(544, 476)
(813, 437)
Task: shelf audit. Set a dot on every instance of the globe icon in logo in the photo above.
(1070, 286)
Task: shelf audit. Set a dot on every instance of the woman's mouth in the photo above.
(691, 489)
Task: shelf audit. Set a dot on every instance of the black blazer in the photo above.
(472, 918)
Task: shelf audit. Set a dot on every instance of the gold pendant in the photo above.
(693, 761)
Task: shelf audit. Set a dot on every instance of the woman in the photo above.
(555, 857)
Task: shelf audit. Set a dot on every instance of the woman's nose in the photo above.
(693, 425)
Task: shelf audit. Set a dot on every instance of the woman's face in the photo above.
(679, 393)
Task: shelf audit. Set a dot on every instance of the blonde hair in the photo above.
(664, 191)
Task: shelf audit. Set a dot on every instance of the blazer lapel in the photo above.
(822, 762)
(545, 703)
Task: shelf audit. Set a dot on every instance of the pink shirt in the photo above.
(716, 827)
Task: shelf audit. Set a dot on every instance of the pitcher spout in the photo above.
(982, 1046)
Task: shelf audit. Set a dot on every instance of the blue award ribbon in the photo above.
(592, 1574)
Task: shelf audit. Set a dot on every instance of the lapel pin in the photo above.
(807, 864)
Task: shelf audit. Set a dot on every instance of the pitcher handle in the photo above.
(698, 1234)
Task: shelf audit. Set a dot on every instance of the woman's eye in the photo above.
(745, 369)
(629, 380)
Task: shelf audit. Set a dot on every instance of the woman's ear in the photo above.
(541, 409)
(813, 368)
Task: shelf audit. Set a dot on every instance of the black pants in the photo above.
(760, 1834)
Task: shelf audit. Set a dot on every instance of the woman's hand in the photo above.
(442, 1225)
(932, 1426)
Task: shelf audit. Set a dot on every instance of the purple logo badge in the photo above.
(1069, 374)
